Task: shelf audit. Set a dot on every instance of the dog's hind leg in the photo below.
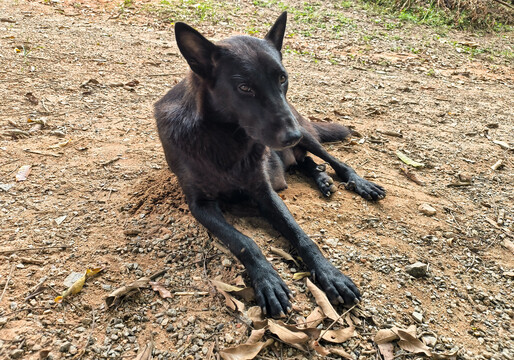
(318, 172)
(366, 189)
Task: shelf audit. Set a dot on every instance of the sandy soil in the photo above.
(99, 192)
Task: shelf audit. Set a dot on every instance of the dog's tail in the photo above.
(329, 132)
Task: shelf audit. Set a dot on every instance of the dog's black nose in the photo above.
(291, 138)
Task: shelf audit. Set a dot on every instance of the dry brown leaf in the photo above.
(385, 336)
(339, 336)
(387, 350)
(311, 332)
(323, 302)
(255, 314)
(244, 351)
(341, 353)
(315, 318)
(231, 302)
(412, 344)
(163, 292)
(246, 293)
(23, 172)
(286, 335)
(146, 353)
(318, 348)
(284, 255)
(255, 336)
(115, 298)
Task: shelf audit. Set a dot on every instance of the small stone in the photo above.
(73, 350)
(229, 339)
(417, 316)
(3, 320)
(226, 262)
(16, 354)
(417, 269)
(427, 209)
(65, 347)
(106, 287)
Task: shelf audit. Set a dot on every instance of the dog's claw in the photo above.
(340, 300)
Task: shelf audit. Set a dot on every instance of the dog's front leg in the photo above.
(338, 287)
(271, 293)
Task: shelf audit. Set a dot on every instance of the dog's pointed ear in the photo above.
(277, 31)
(197, 50)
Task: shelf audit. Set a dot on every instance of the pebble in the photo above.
(16, 354)
(65, 347)
(3, 320)
(417, 316)
(229, 339)
(226, 262)
(427, 209)
(417, 269)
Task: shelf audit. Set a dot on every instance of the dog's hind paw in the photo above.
(367, 189)
(325, 183)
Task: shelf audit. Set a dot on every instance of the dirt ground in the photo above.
(78, 81)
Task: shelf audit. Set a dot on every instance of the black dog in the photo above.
(228, 131)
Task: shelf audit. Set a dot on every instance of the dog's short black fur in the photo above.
(227, 130)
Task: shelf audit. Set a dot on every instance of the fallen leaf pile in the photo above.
(319, 331)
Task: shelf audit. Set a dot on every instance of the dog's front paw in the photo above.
(271, 294)
(367, 189)
(338, 287)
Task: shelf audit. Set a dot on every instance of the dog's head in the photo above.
(246, 82)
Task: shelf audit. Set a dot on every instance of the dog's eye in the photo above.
(282, 78)
(245, 88)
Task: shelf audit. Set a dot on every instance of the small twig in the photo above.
(37, 289)
(109, 162)
(7, 282)
(34, 248)
(41, 153)
(504, 3)
(335, 321)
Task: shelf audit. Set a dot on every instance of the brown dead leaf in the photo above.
(244, 351)
(313, 344)
(323, 302)
(338, 336)
(255, 314)
(341, 353)
(115, 297)
(311, 332)
(410, 175)
(23, 172)
(385, 336)
(287, 335)
(246, 293)
(163, 292)
(387, 350)
(284, 255)
(315, 318)
(146, 353)
(412, 344)
(255, 336)
(231, 302)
